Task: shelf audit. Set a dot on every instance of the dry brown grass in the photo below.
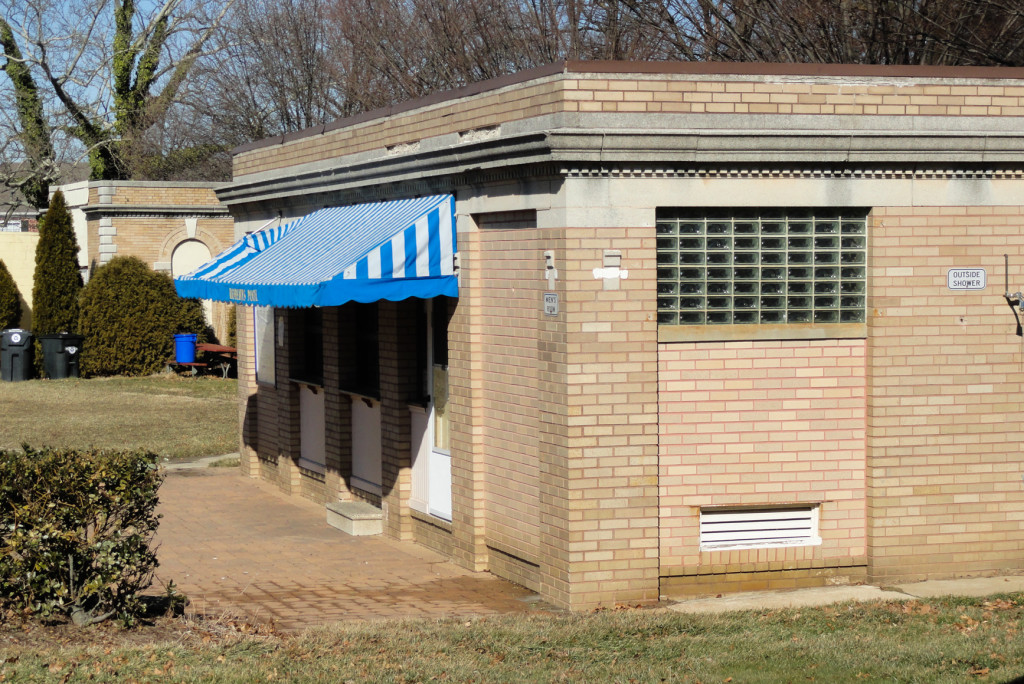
(941, 640)
(176, 417)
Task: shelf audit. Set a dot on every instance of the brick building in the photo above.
(717, 326)
(173, 227)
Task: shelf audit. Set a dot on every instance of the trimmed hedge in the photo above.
(75, 532)
(130, 315)
(10, 299)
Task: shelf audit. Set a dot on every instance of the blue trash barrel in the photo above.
(185, 348)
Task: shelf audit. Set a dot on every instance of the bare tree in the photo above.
(941, 32)
(100, 71)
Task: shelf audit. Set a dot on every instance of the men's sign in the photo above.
(965, 279)
(550, 303)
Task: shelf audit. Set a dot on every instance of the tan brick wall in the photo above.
(677, 93)
(761, 423)
(609, 466)
(511, 262)
(465, 402)
(944, 395)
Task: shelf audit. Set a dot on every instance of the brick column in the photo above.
(611, 459)
(465, 368)
(397, 322)
(247, 392)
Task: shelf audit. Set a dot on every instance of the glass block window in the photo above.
(736, 266)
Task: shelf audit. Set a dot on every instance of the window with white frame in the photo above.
(263, 326)
(761, 266)
(754, 528)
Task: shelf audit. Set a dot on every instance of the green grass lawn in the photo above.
(175, 417)
(941, 640)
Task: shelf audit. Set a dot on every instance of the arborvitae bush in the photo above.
(75, 532)
(130, 315)
(57, 283)
(10, 299)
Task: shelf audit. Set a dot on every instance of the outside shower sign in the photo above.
(966, 279)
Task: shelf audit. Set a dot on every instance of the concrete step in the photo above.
(356, 518)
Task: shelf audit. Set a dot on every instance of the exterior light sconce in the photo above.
(550, 272)
(611, 272)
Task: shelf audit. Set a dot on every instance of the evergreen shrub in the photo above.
(75, 532)
(10, 299)
(57, 283)
(130, 315)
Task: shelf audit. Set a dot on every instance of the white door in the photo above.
(366, 449)
(439, 496)
(439, 471)
(431, 448)
(312, 429)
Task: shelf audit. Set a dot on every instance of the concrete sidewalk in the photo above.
(819, 596)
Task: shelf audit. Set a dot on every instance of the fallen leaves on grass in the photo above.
(966, 625)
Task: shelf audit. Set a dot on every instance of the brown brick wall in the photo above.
(944, 395)
(337, 405)
(755, 95)
(147, 195)
(397, 321)
(792, 575)
(433, 533)
(153, 239)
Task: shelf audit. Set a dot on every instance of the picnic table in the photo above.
(218, 356)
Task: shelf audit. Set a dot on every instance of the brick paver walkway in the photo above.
(236, 546)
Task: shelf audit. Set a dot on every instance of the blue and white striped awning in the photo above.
(362, 253)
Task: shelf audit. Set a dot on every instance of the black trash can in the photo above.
(60, 355)
(15, 355)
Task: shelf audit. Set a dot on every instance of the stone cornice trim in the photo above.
(156, 210)
(657, 152)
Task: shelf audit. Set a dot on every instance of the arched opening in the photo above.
(187, 257)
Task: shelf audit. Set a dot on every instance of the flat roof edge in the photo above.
(667, 67)
(426, 101)
(794, 69)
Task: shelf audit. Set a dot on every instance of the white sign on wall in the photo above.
(966, 279)
(550, 303)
